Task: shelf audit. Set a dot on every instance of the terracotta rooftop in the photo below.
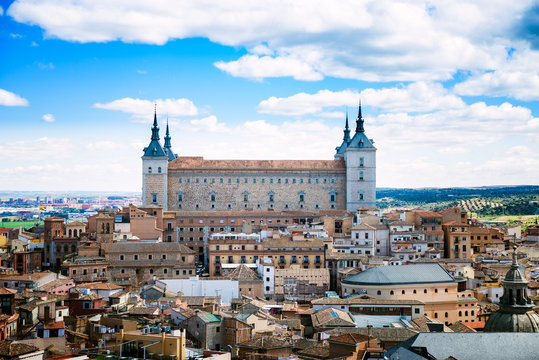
(242, 272)
(10, 349)
(266, 342)
(199, 163)
(100, 286)
(351, 339)
(331, 317)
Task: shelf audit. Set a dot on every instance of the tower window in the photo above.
(332, 196)
(301, 196)
(150, 170)
(245, 196)
(361, 175)
(361, 161)
(360, 196)
(154, 198)
(212, 196)
(159, 169)
(180, 196)
(271, 196)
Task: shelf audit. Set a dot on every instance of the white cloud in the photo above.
(37, 149)
(48, 118)
(8, 98)
(367, 40)
(303, 103)
(255, 67)
(517, 84)
(104, 145)
(1, 11)
(415, 97)
(143, 109)
(207, 124)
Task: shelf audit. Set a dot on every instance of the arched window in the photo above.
(391, 292)
(360, 196)
(378, 292)
(472, 313)
(403, 292)
(213, 196)
(69, 233)
(466, 313)
(301, 195)
(108, 228)
(446, 315)
(159, 169)
(415, 291)
(246, 196)
(271, 196)
(150, 170)
(332, 196)
(75, 232)
(102, 228)
(460, 313)
(425, 291)
(436, 315)
(180, 196)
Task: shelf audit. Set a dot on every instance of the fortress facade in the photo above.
(194, 183)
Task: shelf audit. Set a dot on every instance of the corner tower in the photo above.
(359, 156)
(154, 171)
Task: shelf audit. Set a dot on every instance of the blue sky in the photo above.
(450, 91)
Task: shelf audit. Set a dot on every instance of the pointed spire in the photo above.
(359, 121)
(155, 128)
(167, 138)
(346, 129)
(168, 146)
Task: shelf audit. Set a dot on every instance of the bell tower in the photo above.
(359, 156)
(154, 171)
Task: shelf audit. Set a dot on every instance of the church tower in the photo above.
(154, 170)
(359, 156)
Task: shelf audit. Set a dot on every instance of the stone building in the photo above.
(196, 184)
(134, 262)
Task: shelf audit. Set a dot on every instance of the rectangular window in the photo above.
(361, 175)
(154, 198)
(361, 161)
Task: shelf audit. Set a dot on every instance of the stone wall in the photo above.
(231, 191)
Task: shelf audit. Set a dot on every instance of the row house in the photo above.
(193, 228)
(226, 254)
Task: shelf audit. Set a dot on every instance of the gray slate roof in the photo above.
(403, 274)
(473, 346)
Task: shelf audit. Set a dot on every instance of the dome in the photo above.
(509, 321)
(516, 312)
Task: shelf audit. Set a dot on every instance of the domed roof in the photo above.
(516, 312)
(508, 321)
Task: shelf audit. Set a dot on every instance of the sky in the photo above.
(449, 90)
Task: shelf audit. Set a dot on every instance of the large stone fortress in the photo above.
(196, 184)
